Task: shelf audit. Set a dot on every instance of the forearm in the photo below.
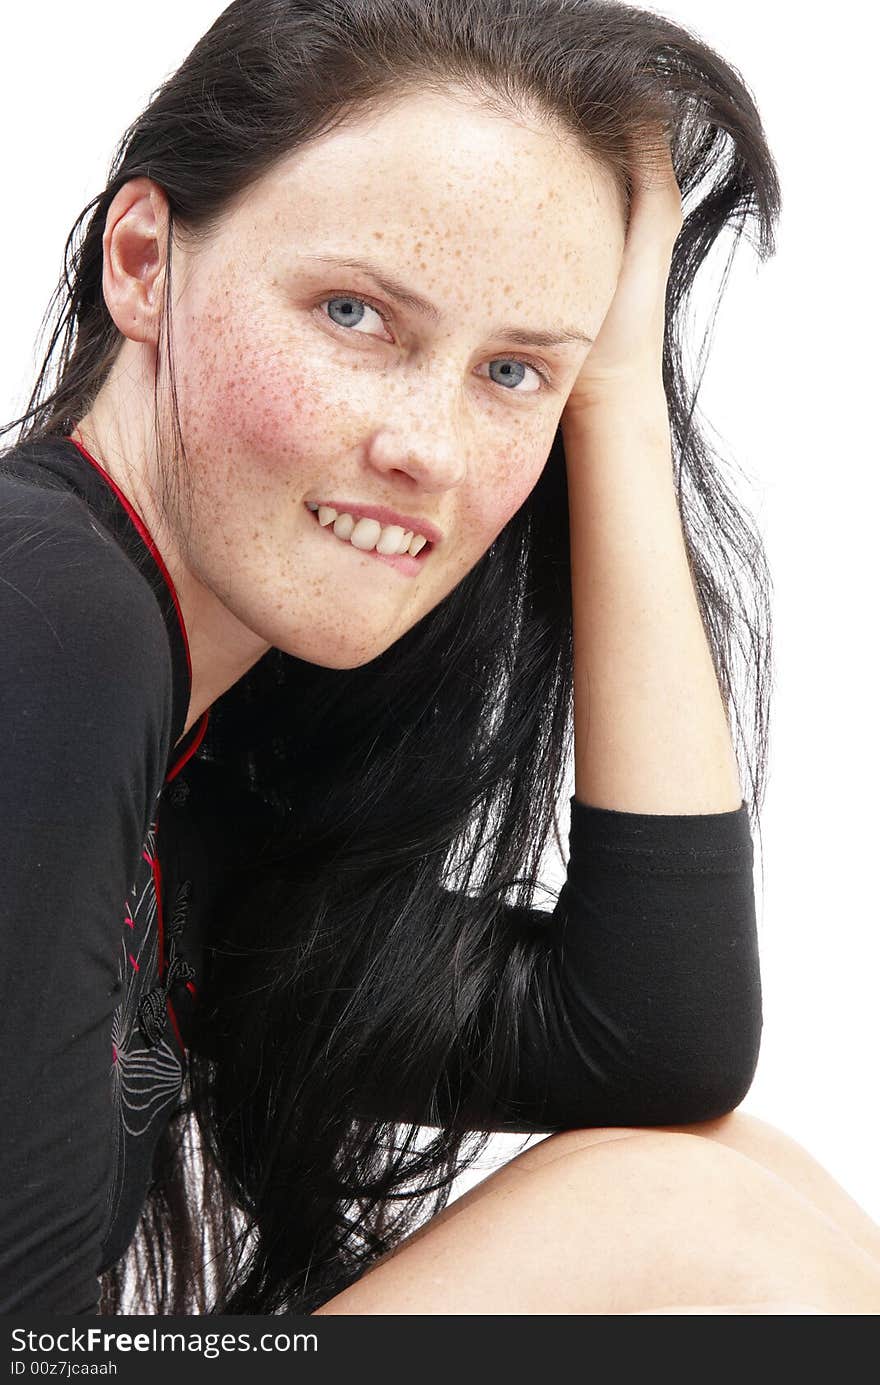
(651, 734)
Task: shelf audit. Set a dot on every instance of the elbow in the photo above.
(703, 1066)
(695, 1070)
(712, 1082)
(690, 1099)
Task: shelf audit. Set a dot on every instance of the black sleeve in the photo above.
(83, 715)
(643, 1004)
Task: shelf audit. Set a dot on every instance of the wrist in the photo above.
(618, 413)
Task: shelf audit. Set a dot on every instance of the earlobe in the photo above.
(133, 259)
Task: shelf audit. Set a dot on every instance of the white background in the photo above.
(790, 395)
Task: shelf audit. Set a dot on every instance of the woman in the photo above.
(249, 702)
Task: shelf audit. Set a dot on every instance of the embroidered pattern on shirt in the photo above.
(147, 1077)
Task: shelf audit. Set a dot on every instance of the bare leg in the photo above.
(763, 1143)
(782, 1155)
(632, 1222)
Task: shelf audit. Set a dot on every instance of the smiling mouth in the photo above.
(403, 562)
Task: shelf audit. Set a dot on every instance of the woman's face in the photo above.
(303, 378)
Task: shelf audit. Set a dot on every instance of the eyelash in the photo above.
(360, 298)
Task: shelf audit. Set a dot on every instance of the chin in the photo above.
(342, 657)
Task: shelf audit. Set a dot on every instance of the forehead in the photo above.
(436, 180)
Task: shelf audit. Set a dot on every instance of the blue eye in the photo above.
(350, 306)
(353, 306)
(506, 363)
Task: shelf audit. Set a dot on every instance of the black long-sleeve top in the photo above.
(652, 999)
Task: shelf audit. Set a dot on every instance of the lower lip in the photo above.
(403, 562)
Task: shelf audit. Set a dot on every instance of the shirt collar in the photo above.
(82, 473)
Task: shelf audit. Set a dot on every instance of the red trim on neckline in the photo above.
(185, 755)
(148, 540)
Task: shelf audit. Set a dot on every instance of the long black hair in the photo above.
(344, 969)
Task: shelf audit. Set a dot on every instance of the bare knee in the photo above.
(619, 1220)
(703, 1204)
(565, 1142)
(739, 1131)
(737, 1128)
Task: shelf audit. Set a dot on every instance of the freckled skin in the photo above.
(494, 220)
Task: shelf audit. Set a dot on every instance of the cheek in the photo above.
(506, 484)
(249, 394)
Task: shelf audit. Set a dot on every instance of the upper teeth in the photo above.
(369, 534)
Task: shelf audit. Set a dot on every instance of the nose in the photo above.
(427, 448)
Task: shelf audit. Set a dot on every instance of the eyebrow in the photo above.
(523, 336)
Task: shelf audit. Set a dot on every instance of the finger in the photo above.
(655, 212)
(650, 149)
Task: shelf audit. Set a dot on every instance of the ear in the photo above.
(134, 239)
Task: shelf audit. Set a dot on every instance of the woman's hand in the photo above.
(650, 728)
(627, 354)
